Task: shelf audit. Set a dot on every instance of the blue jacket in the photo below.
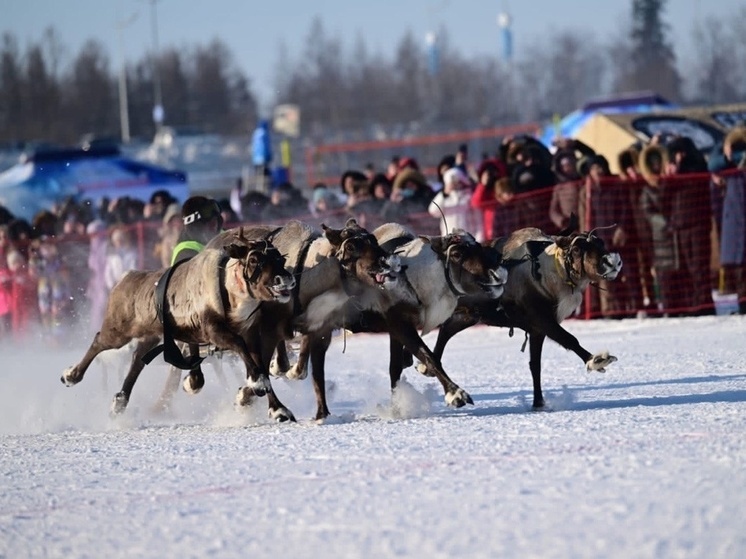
(261, 145)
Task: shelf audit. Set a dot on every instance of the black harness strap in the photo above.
(171, 352)
(391, 245)
(298, 270)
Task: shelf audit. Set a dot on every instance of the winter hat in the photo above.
(409, 175)
(456, 177)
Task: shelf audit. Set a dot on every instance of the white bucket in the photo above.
(725, 303)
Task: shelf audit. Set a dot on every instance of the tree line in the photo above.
(342, 92)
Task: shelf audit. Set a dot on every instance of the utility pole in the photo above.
(124, 119)
(158, 111)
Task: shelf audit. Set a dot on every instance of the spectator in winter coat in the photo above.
(653, 161)
(532, 180)
(452, 205)
(410, 195)
(686, 204)
(728, 197)
(565, 194)
(121, 259)
(492, 197)
(604, 207)
(6, 300)
(261, 155)
(24, 311)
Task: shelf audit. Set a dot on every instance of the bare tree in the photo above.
(41, 98)
(653, 61)
(177, 102)
(91, 94)
(12, 126)
(715, 76)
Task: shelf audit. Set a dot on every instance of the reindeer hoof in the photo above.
(119, 404)
(321, 416)
(295, 373)
(259, 387)
(244, 396)
(458, 398)
(193, 382)
(70, 377)
(599, 362)
(281, 415)
(422, 369)
(274, 368)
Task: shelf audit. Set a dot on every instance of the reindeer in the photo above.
(547, 278)
(439, 272)
(212, 298)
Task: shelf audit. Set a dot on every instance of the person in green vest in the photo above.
(202, 221)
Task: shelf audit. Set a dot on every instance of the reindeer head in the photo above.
(262, 269)
(586, 256)
(360, 255)
(470, 267)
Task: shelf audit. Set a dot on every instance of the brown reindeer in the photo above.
(211, 299)
(546, 281)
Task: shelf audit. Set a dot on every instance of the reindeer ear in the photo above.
(438, 244)
(573, 225)
(563, 242)
(334, 236)
(237, 251)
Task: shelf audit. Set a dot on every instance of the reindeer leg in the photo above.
(276, 409)
(597, 362)
(73, 375)
(317, 347)
(122, 398)
(299, 371)
(407, 335)
(396, 361)
(280, 364)
(195, 379)
(535, 345)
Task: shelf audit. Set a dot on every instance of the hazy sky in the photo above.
(253, 30)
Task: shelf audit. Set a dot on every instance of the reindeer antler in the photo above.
(592, 232)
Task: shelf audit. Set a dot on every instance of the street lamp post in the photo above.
(124, 119)
(158, 111)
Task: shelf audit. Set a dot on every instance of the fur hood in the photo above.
(646, 159)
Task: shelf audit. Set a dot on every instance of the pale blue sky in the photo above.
(254, 30)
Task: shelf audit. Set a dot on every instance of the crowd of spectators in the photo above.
(665, 211)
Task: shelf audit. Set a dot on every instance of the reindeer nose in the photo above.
(392, 262)
(282, 281)
(501, 275)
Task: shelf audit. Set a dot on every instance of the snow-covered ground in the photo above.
(647, 460)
